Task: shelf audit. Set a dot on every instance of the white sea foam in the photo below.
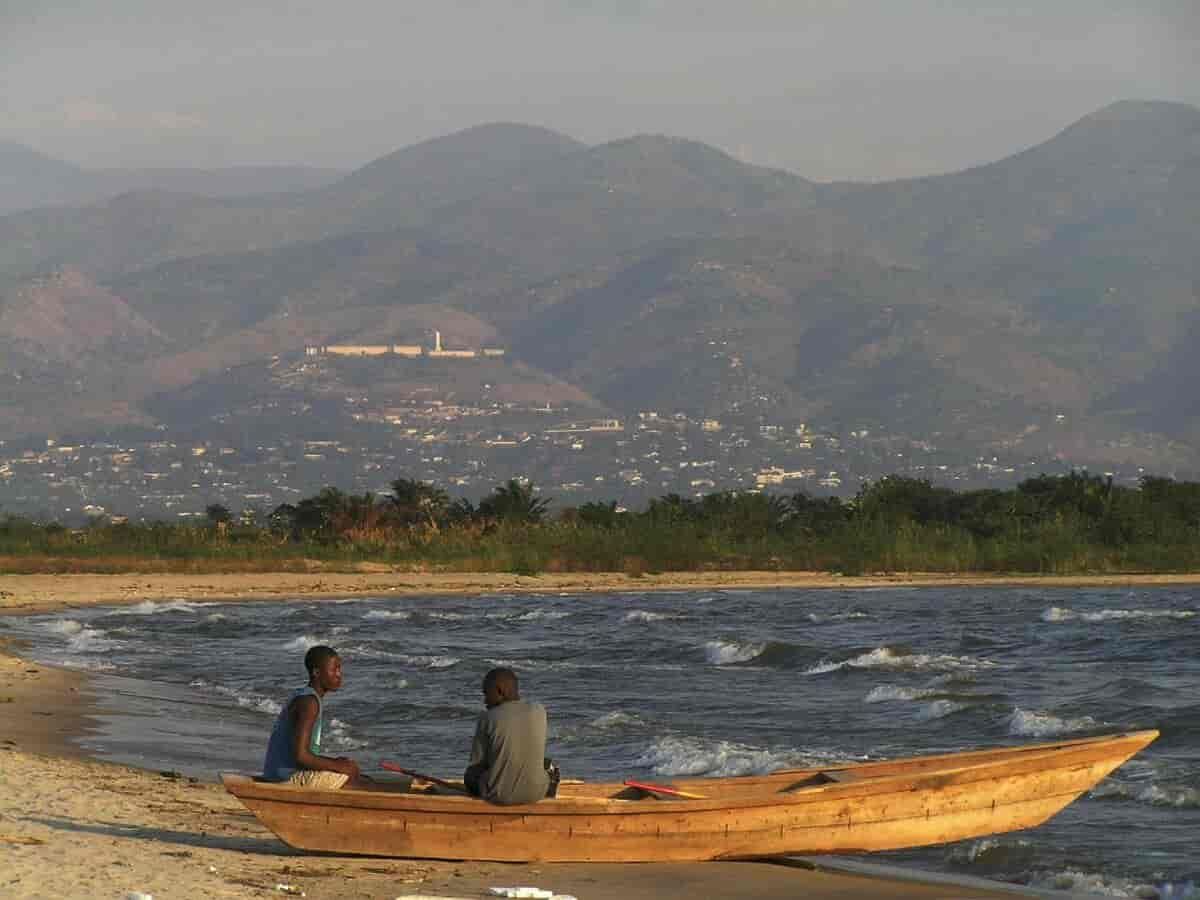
(642, 615)
(1093, 884)
(340, 737)
(529, 615)
(417, 660)
(886, 692)
(615, 719)
(819, 618)
(436, 662)
(215, 617)
(151, 607)
(939, 709)
(988, 849)
(724, 653)
(886, 658)
(426, 661)
(81, 638)
(693, 756)
(90, 664)
(1153, 795)
(534, 614)
(1029, 723)
(1178, 797)
(688, 756)
(63, 626)
(244, 698)
(304, 642)
(388, 614)
(1065, 614)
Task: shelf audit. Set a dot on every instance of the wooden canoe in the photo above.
(885, 805)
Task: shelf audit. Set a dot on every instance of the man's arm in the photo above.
(477, 765)
(304, 716)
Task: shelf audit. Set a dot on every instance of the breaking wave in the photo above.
(1027, 723)
(1065, 614)
(340, 738)
(726, 653)
(641, 615)
(993, 854)
(535, 614)
(616, 719)
(243, 698)
(388, 614)
(1093, 884)
(1153, 795)
(304, 642)
(151, 607)
(850, 616)
(687, 756)
(82, 638)
(889, 658)
(887, 692)
(675, 755)
(939, 709)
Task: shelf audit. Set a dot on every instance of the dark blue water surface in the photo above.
(699, 684)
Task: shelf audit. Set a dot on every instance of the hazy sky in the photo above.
(867, 89)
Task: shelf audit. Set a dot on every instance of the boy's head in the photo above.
(324, 668)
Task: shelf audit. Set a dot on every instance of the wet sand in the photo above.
(74, 827)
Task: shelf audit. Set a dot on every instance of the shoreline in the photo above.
(71, 825)
(40, 593)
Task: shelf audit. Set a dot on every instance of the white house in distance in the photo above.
(409, 351)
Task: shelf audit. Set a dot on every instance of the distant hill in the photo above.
(143, 228)
(765, 326)
(986, 307)
(606, 200)
(29, 180)
(1107, 174)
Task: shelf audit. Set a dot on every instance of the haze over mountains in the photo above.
(1047, 301)
(29, 179)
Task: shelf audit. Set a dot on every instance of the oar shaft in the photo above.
(441, 782)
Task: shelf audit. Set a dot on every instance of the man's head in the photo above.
(324, 668)
(500, 686)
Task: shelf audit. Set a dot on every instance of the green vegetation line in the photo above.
(1073, 524)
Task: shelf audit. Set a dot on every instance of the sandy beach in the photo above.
(48, 592)
(75, 827)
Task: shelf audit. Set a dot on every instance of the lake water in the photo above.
(693, 683)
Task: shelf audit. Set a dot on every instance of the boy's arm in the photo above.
(304, 716)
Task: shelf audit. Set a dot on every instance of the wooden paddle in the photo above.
(440, 782)
(666, 790)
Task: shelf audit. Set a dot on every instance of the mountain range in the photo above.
(29, 179)
(1046, 302)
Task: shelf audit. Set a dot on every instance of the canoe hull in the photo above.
(914, 804)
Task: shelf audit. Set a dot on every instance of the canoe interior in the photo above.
(884, 805)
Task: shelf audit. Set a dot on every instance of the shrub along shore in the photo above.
(1053, 525)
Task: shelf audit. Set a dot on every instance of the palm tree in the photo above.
(513, 502)
(418, 502)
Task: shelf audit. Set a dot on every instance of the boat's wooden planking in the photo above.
(964, 796)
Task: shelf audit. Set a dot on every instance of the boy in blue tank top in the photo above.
(294, 750)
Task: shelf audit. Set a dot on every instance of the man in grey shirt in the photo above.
(508, 763)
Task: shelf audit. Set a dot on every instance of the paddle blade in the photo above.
(665, 790)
